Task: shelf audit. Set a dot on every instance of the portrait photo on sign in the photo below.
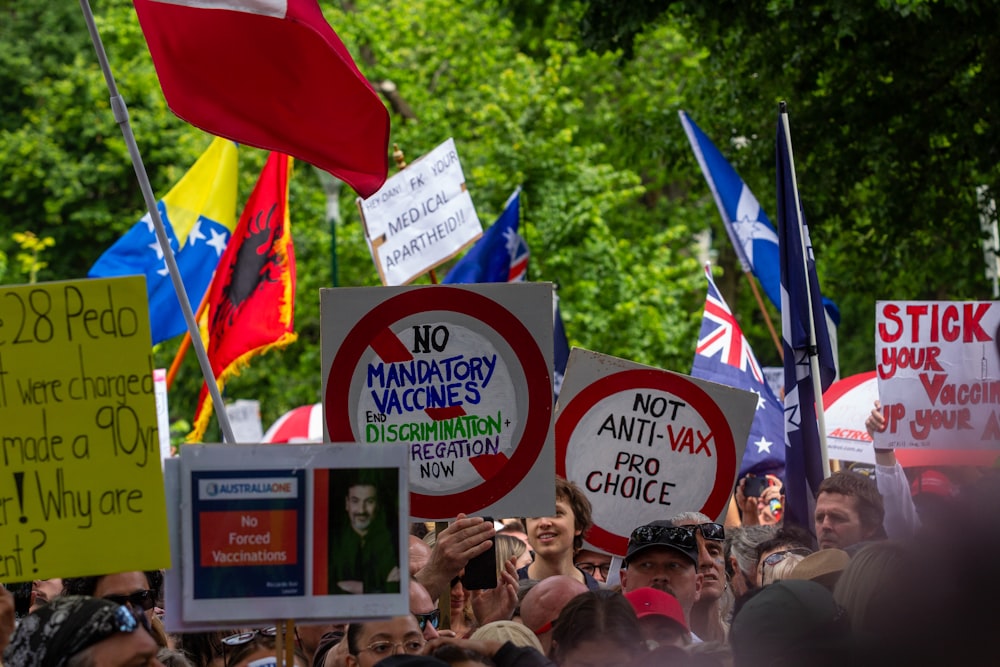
(362, 542)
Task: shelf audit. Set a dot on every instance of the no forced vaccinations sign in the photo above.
(459, 374)
(646, 444)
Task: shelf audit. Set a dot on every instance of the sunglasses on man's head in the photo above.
(681, 536)
(434, 618)
(144, 600)
(712, 531)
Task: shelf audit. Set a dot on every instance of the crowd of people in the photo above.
(895, 568)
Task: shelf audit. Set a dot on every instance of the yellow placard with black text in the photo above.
(81, 483)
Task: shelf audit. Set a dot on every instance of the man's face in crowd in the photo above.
(593, 563)
(361, 506)
(421, 603)
(553, 535)
(665, 569)
(838, 523)
(402, 632)
(123, 584)
(711, 565)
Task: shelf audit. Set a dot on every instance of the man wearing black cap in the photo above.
(664, 556)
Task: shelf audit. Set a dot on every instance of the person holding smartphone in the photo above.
(761, 499)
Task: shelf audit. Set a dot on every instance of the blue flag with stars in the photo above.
(500, 256)
(723, 355)
(805, 339)
(199, 214)
(752, 234)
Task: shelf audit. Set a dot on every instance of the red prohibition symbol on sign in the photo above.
(373, 330)
(637, 380)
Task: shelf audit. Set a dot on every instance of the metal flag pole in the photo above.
(813, 353)
(120, 112)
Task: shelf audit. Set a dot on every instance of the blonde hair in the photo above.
(771, 575)
(508, 631)
(507, 547)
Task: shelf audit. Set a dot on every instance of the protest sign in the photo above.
(292, 531)
(79, 449)
(423, 216)
(645, 443)
(938, 374)
(462, 376)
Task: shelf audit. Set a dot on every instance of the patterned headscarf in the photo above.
(69, 624)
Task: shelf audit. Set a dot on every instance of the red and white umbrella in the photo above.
(301, 424)
(847, 404)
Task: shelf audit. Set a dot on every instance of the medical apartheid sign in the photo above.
(645, 443)
(422, 217)
(938, 374)
(461, 375)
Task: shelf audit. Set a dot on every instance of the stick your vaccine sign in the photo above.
(645, 443)
(938, 374)
(461, 376)
(79, 447)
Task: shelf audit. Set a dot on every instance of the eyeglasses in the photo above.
(712, 531)
(144, 600)
(681, 536)
(779, 556)
(244, 637)
(128, 621)
(385, 649)
(592, 568)
(434, 618)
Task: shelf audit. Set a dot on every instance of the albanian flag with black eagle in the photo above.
(251, 303)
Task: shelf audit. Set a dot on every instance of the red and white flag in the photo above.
(271, 74)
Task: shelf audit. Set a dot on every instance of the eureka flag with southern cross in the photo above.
(199, 214)
(752, 234)
(804, 335)
(723, 355)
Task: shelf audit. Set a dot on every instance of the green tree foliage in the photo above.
(598, 214)
(893, 116)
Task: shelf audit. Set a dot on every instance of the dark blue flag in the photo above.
(500, 256)
(806, 342)
(560, 352)
(749, 229)
(723, 355)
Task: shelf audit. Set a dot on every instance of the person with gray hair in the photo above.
(740, 550)
(706, 619)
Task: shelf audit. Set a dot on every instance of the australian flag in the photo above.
(724, 356)
(751, 232)
(805, 339)
(500, 256)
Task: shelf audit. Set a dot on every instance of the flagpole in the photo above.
(186, 341)
(767, 318)
(813, 350)
(120, 111)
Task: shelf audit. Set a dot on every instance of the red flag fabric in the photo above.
(271, 74)
(252, 297)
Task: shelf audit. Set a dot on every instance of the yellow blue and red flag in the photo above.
(199, 214)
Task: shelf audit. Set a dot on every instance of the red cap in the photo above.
(654, 602)
(932, 481)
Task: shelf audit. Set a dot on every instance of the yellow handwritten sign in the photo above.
(81, 487)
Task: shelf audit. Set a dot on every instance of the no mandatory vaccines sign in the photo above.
(645, 443)
(423, 216)
(81, 489)
(938, 374)
(459, 374)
